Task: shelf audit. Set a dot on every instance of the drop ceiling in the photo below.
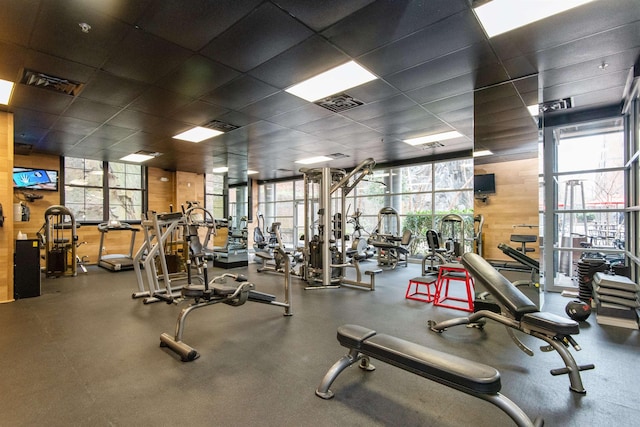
(150, 69)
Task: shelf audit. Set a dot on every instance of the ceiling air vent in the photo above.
(337, 156)
(149, 153)
(221, 126)
(45, 81)
(557, 105)
(338, 103)
(430, 145)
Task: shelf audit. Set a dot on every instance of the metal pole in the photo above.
(325, 208)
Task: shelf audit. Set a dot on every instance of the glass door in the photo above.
(587, 198)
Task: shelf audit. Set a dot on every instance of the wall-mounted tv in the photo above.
(484, 184)
(35, 179)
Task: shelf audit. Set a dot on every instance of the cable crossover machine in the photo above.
(325, 253)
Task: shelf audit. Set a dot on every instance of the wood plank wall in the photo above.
(162, 189)
(7, 246)
(515, 202)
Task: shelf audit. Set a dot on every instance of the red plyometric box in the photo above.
(453, 273)
(419, 288)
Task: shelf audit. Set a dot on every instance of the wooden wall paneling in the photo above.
(515, 203)
(161, 192)
(189, 187)
(7, 238)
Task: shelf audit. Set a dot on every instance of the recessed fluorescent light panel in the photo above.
(481, 153)
(6, 88)
(333, 81)
(198, 134)
(311, 160)
(136, 158)
(534, 110)
(433, 138)
(222, 169)
(500, 16)
(250, 172)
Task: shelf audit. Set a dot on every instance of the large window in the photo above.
(94, 197)
(421, 194)
(214, 195)
(589, 206)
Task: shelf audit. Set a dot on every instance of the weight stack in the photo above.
(587, 267)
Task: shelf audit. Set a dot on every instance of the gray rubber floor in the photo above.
(85, 353)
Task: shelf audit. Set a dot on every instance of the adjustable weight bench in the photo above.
(469, 377)
(520, 313)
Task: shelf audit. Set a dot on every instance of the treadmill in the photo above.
(116, 262)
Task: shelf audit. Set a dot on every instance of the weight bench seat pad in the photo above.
(453, 371)
(550, 322)
(502, 289)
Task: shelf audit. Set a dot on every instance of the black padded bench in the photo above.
(520, 313)
(476, 379)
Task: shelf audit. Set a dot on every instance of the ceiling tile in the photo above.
(445, 37)
(159, 102)
(586, 21)
(197, 76)
(313, 56)
(278, 103)
(307, 113)
(58, 33)
(39, 99)
(458, 63)
(17, 16)
(596, 47)
(198, 113)
(194, 26)
(90, 110)
(239, 93)
(136, 120)
(112, 90)
(378, 24)
(12, 59)
(264, 33)
(75, 126)
(380, 108)
(144, 57)
(450, 104)
(445, 89)
(321, 14)
(613, 80)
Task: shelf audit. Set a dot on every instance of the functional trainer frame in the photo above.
(325, 253)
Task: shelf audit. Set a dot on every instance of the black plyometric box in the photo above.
(26, 270)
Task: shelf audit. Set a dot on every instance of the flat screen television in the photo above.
(35, 179)
(484, 184)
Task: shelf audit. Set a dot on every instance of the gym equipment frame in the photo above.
(217, 291)
(60, 239)
(325, 254)
(475, 379)
(520, 313)
(116, 262)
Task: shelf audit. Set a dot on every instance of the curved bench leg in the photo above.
(571, 367)
(333, 372)
(510, 408)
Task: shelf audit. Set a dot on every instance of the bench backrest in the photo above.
(519, 256)
(510, 297)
